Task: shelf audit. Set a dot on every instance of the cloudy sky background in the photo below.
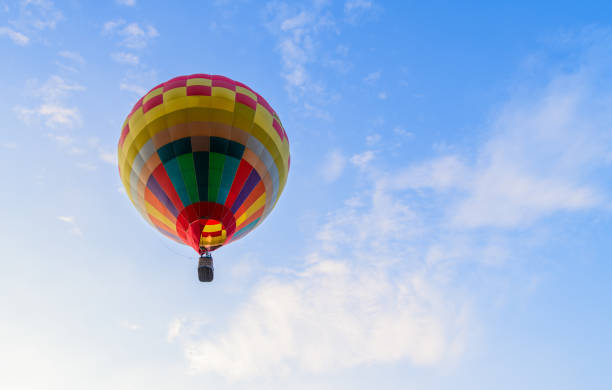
(446, 222)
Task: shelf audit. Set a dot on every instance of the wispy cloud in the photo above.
(356, 9)
(134, 327)
(362, 159)
(372, 77)
(52, 108)
(71, 221)
(125, 58)
(133, 35)
(174, 329)
(87, 166)
(333, 165)
(137, 89)
(108, 157)
(342, 310)
(15, 36)
(29, 18)
(55, 115)
(129, 3)
(297, 31)
(543, 149)
(73, 56)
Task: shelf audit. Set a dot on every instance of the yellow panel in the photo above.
(152, 94)
(224, 92)
(212, 228)
(259, 203)
(222, 103)
(262, 117)
(175, 93)
(159, 216)
(198, 81)
(246, 92)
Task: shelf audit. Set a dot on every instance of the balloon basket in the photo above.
(206, 271)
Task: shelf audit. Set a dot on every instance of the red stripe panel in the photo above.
(124, 133)
(279, 129)
(154, 101)
(242, 174)
(199, 76)
(165, 183)
(136, 106)
(202, 90)
(224, 84)
(244, 86)
(246, 100)
(222, 78)
(264, 103)
(213, 234)
(175, 83)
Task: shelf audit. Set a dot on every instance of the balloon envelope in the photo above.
(204, 159)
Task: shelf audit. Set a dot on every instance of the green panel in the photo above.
(216, 162)
(189, 176)
(229, 171)
(174, 172)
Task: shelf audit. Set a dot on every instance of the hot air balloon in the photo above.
(204, 159)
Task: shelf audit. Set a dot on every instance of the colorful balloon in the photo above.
(204, 159)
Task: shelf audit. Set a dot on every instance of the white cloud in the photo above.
(73, 56)
(439, 174)
(174, 329)
(108, 157)
(134, 327)
(355, 9)
(71, 220)
(372, 77)
(51, 109)
(297, 30)
(125, 58)
(333, 315)
(112, 25)
(62, 140)
(129, 3)
(382, 95)
(362, 159)
(372, 139)
(137, 89)
(55, 115)
(37, 15)
(87, 166)
(538, 161)
(401, 131)
(133, 35)
(354, 5)
(54, 89)
(347, 307)
(333, 166)
(17, 37)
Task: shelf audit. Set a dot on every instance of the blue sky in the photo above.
(446, 221)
